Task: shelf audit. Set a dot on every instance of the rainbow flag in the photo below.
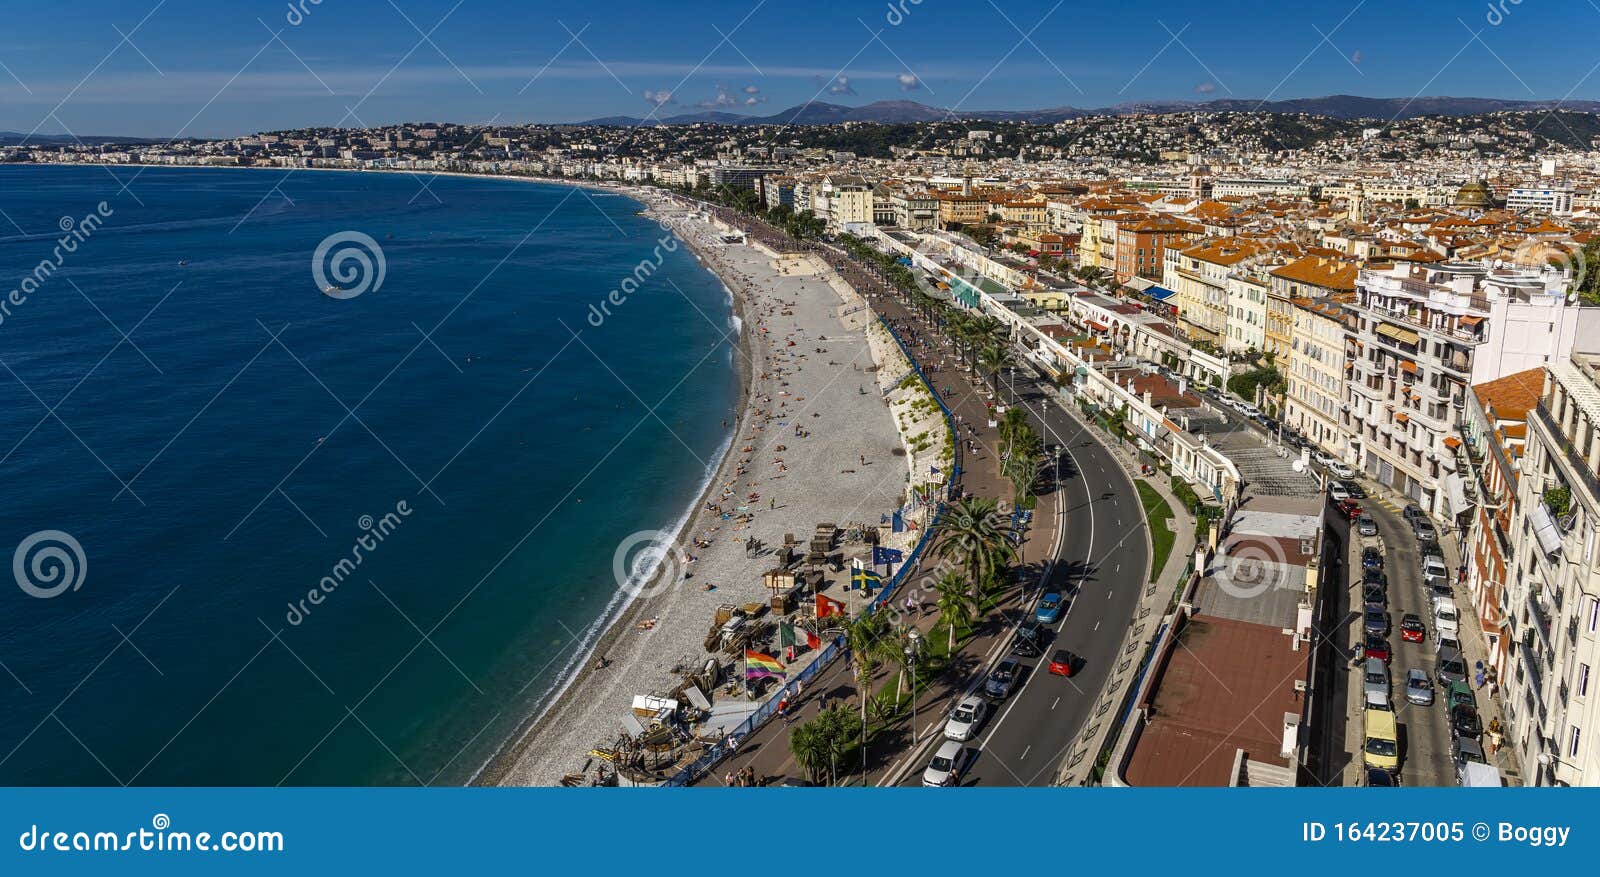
(759, 666)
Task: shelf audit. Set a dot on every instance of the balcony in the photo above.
(1574, 460)
(1535, 676)
(1541, 621)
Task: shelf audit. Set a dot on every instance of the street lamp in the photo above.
(913, 648)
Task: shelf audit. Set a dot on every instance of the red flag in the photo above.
(827, 607)
(812, 640)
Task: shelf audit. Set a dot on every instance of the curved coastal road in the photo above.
(1102, 566)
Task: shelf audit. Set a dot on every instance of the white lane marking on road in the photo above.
(1025, 752)
(1057, 701)
(1097, 625)
(1034, 674)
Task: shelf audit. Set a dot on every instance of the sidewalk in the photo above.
(767, 751)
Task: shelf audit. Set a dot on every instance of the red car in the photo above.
(1375, 646)
(1061, 663)
(1411, 629)
(1349, 509)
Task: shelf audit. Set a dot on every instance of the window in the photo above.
(1583, 680)
(1594, 614)
(1572, 746)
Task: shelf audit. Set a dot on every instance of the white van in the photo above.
(1446, 622)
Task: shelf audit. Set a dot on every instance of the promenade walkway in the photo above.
(767, 751)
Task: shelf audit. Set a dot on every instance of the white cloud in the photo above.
(908, 82)
(841, 85)
(1205, 88)
(658, 98)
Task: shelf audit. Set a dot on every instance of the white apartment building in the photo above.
(1552, 596)
(1550, 199)
(1246, 187)
(1421, 337)
(1247, 313)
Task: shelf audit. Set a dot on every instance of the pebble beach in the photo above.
(816, 442)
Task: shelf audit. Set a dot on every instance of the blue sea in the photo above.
(198, 430)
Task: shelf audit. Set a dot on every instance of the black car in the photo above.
(1377, 777)
(1375, 620)
(1375, 595)
(1374, 576)
(1464, 722)
(1371, 558)
(1029, 642)
(1354, 490)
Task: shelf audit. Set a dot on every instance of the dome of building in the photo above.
(1475, 193)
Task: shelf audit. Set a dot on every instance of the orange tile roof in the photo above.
(1512, 396)
(1320, 271)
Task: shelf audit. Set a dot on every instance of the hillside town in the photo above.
(1411, 306)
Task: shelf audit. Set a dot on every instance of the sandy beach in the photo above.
(816, 442)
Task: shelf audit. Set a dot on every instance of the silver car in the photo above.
(1375, 678)
(1366, 526)
(1419, 688)
(945, 767)
(966, 717)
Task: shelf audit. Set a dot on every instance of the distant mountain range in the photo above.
(1337, 106)
(13, 138)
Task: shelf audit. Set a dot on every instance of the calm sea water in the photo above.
(217, 435)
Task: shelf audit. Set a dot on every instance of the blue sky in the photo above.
(232, 67)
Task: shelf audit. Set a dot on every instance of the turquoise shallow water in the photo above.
(253, 465)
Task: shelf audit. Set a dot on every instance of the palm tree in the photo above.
(871, 643)
(1012, 423)
(811, 748)
(1023, 471)
(975, 537)
(956, 606)
(839, 727)
(993, 359)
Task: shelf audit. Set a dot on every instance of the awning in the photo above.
(1471, 320)
(1452, 442)
(1098, 327)
(1544, 529)
(1160, 293)
(1404, 336)
(1407, 365)
(1402, 417)
(1456, 490)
